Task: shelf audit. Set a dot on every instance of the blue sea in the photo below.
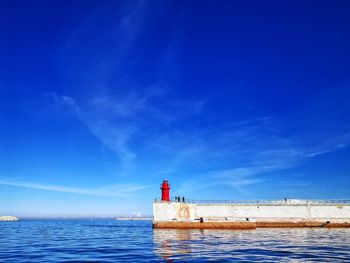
(136, 241)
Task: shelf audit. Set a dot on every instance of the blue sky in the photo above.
(101, 100)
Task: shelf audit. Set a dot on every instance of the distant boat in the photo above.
(8, 218)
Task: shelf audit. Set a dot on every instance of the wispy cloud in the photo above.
(296, 183)
(112, 190)
(313, 154)
(253, 144)
(118, 120)
(137, 120)
(256, 144)
(332, 144)
(248, 144)
(236, 178)
(108, 98)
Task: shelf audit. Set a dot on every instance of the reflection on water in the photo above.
(260, 245)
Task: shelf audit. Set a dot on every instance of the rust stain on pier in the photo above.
(183, 212)
(205, 225)
(246, 225)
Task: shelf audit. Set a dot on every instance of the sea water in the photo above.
(136, 241)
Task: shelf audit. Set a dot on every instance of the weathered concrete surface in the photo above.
(205, 225)
(281, 212)
(245, 225)
(336, 225)
(301, 224)
(296, 214)
(168, 211)
(8, 218)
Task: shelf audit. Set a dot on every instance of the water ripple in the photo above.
(136, 241)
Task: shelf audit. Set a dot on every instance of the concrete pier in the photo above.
(250, 215)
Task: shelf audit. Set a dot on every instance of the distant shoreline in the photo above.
(87, 218)
(134, 218)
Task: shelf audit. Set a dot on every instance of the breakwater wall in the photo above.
(248, 215)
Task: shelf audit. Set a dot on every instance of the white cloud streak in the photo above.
(111, 191)
(236, 178)
(241, 151)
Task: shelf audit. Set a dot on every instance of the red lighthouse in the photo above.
(165, 186)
